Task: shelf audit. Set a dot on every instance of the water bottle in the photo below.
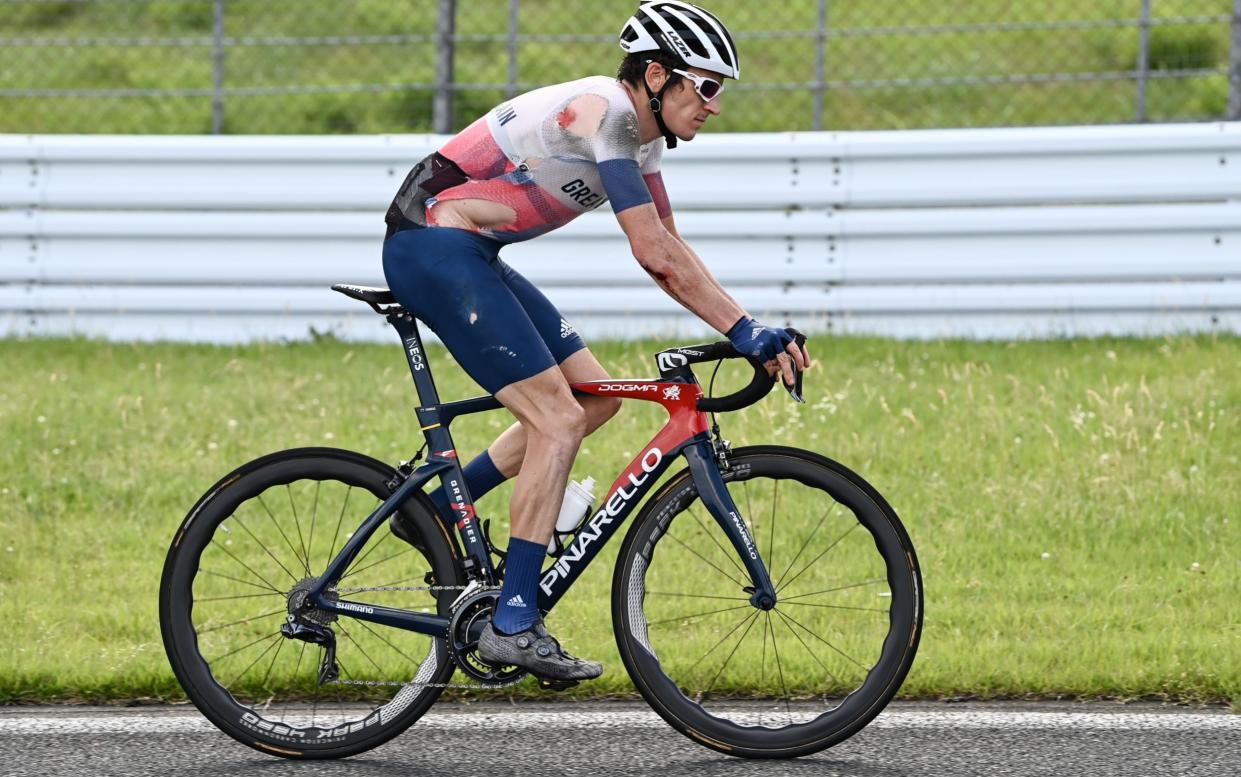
(578, 499)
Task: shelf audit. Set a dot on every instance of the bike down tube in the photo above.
(685, 432)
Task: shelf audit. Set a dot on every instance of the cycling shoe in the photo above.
(536, 651)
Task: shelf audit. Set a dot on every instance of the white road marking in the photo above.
(180, 722)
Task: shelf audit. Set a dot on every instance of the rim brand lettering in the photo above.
(592, 529)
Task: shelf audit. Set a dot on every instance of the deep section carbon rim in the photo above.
(831, 652)
(259, 542)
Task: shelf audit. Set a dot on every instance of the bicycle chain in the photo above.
(389, 683)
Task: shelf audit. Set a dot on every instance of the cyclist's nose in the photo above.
(713, 106)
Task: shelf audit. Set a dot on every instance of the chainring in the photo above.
(469, 612)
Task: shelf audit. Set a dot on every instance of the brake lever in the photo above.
(795, 390)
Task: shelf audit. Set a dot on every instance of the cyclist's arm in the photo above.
(676, 268)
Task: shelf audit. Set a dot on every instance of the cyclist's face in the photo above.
(684, 111)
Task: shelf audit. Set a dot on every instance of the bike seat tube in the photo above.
(416, 355)
(715, 496)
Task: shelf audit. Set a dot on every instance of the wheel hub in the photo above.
(303, 611)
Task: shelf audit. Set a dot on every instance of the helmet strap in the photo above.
(657, 106)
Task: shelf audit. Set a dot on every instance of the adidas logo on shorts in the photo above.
(516, 601)
(566, 329)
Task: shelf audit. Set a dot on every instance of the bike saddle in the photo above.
(372, 294)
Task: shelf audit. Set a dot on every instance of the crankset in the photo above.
(470, 615)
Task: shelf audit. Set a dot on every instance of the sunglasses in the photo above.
(707, 88)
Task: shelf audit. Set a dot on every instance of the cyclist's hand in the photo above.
(775, 346)
(753, 339)
(790, 365)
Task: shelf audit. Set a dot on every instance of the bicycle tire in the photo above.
(227, 577)
(863, 575)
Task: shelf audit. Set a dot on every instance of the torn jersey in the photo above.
(535, 163)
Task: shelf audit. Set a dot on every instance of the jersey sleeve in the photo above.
(616, 145)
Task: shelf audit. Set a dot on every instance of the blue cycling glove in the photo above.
(753, 339)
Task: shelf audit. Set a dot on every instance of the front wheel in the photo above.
(792, 680)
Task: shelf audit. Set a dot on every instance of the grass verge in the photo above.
(1074, 503)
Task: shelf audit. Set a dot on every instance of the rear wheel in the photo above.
(824, 661)
(255, 541)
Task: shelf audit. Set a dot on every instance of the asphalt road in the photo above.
(597, 739)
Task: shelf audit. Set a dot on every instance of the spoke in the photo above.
(836, 607)
(243, 620)
(339, 519)
(699, 596)
(753, 619)
(410, 549)
(815, 560)
(802, 549)
(272, 665)
(361, 650)
(691, 617)
(708, 563)
(807, 647)
(368, 552)
(244, 672)
(721, 641)
(832, 590)
(234, 651)
(414, 579)
(314, 699)
(278, 529)
(238, 596)
(825, 642)
(266, 550)
(314, 515)
(711, 536)
(779, 666)
(297, 668)
(762, 666)
(267, 587)
(297, 524)
(385, 640)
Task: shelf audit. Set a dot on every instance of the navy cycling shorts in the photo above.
(496, 324)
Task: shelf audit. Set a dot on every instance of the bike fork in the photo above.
(703, 468)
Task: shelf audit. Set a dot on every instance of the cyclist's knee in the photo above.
(566, 420)
(547, 408)
(600, 410)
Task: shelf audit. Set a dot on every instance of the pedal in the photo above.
(548, 684)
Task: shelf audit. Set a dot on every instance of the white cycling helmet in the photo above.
(685, 31)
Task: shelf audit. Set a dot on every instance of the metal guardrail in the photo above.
(977, 233)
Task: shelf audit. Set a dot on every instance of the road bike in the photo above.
(766, 600)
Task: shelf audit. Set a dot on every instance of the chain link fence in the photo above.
(367, 66)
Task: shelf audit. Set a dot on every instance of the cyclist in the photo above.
(527, 167)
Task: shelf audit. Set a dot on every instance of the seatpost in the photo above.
(407, 328)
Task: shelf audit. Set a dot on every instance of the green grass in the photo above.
(1073, 503)
(1189, 38)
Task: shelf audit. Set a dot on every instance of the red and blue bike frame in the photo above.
(685, 434)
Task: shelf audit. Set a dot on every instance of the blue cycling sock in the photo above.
(481, 476)
(518, 608)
